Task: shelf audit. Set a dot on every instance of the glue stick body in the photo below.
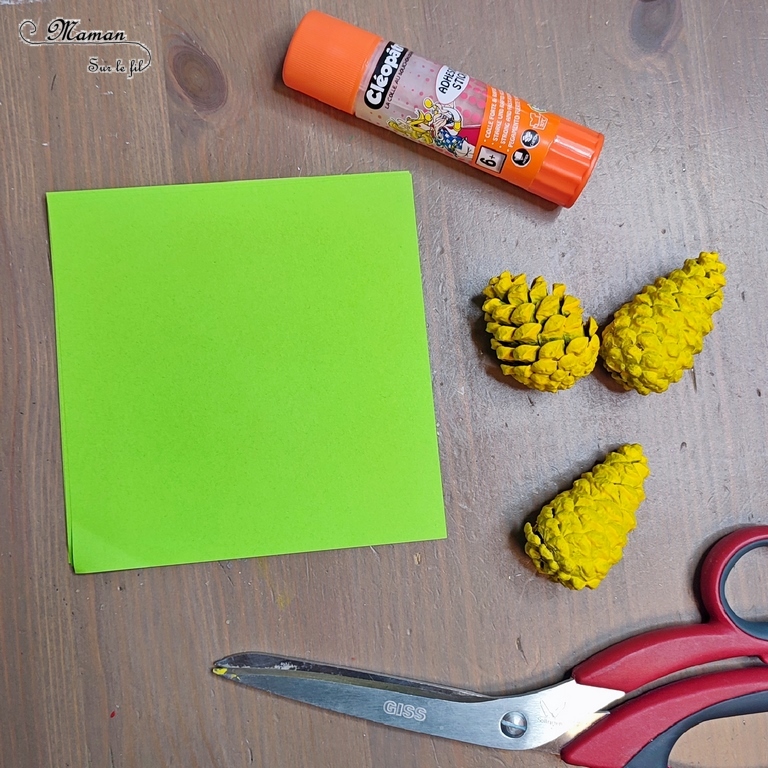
(388, 85)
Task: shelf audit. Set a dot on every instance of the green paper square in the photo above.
(243, 370)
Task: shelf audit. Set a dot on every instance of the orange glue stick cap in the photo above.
(568, 164)
(327, 58)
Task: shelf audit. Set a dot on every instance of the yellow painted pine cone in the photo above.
(653, 338)
(539, 337)
(580, 535)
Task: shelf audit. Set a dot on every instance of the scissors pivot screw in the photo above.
(514, 725)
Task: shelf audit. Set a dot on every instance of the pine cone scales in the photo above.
(653, 338)
(580, 535)
(539, 337)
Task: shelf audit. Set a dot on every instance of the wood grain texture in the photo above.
(113, 669)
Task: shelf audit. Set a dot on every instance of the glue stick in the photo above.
(388, 85)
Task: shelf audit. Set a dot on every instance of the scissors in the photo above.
(568, 717)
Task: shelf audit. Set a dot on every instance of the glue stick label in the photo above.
(456, 114)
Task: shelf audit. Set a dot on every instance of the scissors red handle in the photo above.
(643, 732)
(648, 657)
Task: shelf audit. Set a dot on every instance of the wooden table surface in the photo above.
(113, 669)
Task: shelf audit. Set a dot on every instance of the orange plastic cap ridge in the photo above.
(327, 59)
(568, 164)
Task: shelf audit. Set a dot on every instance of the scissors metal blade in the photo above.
(512, 722)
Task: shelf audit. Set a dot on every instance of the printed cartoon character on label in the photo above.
(447, 124)
(437, 124)
(418, 128)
